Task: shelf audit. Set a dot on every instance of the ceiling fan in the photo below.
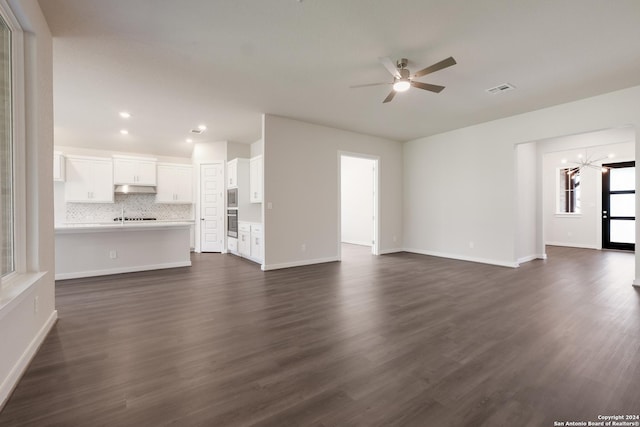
(403, 79)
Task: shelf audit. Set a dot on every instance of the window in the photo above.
(568, 190)
(7, 261)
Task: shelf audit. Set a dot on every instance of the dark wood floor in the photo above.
(402, 339)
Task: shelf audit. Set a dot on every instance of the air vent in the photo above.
(501, 88)
(197, 131)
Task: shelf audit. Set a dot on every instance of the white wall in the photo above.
(301, 184)
(21, 328)
(460, 186)
(357, 200)
(584, 229)
(526, 166)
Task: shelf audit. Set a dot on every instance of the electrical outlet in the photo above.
(269, 205)
(303, 247)
(471, 244)
(395, 239)
(36, 304)
(113, 254)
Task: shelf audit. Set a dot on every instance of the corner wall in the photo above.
(460, 186)
(301, 185)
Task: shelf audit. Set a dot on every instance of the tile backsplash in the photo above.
(135, 205)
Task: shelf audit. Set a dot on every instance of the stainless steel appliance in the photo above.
(232, 198)
(232, 223)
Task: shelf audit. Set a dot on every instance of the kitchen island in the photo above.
(85, 250)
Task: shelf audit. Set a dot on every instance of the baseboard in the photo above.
(359, 243)
(390, 251)
(510, 264)
(92, 273)
(20, 367)
(528, 258)
(267, 267)
(572, 245)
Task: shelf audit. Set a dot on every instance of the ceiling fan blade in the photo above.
(390, 96)
(369, 84)
(390, 66)
(427, 86)
(437, 66)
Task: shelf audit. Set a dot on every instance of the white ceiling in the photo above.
(176, 64)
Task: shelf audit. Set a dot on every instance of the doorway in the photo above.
(358, 216)
(618, 206)
(211, 207)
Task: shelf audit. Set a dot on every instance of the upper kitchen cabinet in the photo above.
(175, 183)
(255, 179)
(89, 180)
(134, 171)
(58, 166)
(232, 173)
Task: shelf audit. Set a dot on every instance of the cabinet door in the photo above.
(232, 174)
(124, 171)
(89, 180)
(166, 185)
(145, 173)
(175, 184)
(134, 172)
(184, 184)
(244, 247)
(255, 180)
(256, 242)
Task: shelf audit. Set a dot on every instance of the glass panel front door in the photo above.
(619, 206)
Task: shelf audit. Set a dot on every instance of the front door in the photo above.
(619, 206)
(211, 207)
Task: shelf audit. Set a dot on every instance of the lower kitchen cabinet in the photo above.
(249, 243)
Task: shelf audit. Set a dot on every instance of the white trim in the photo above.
(391, 251)
(11, 381)
(119, 270)
(528, 258)
(511, 264)
(268, 267)
(572, 245)
(142, 159)
(359, 243)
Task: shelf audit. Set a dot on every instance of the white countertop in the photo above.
(119, 226)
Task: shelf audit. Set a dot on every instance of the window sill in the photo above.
(14, 290)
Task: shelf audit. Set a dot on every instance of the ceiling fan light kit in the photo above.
(403, 80)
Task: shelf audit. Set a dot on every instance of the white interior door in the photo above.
(211, 207)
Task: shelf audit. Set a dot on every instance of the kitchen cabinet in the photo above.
(134, 171)
(256, 242)
(232, 245)
(58, 166)
(250, 242)
(232, 173)
(88, 180)
(255, 179)
(244, 239)
(175, 183)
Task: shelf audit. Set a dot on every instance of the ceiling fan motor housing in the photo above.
(404, 74)
(402, 63)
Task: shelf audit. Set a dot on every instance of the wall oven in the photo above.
(232, 223)
(232, 198)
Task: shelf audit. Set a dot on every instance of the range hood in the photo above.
(135, 189)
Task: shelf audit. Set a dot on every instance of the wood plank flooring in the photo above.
(396, 340)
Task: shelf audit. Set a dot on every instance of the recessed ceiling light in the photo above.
(125, 115)
(580, 155)
(611, 155)
(189, 140)
(202, 127)
(563, 161)
(124, 132)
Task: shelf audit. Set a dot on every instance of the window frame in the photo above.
(18, 142)
(561, 171)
